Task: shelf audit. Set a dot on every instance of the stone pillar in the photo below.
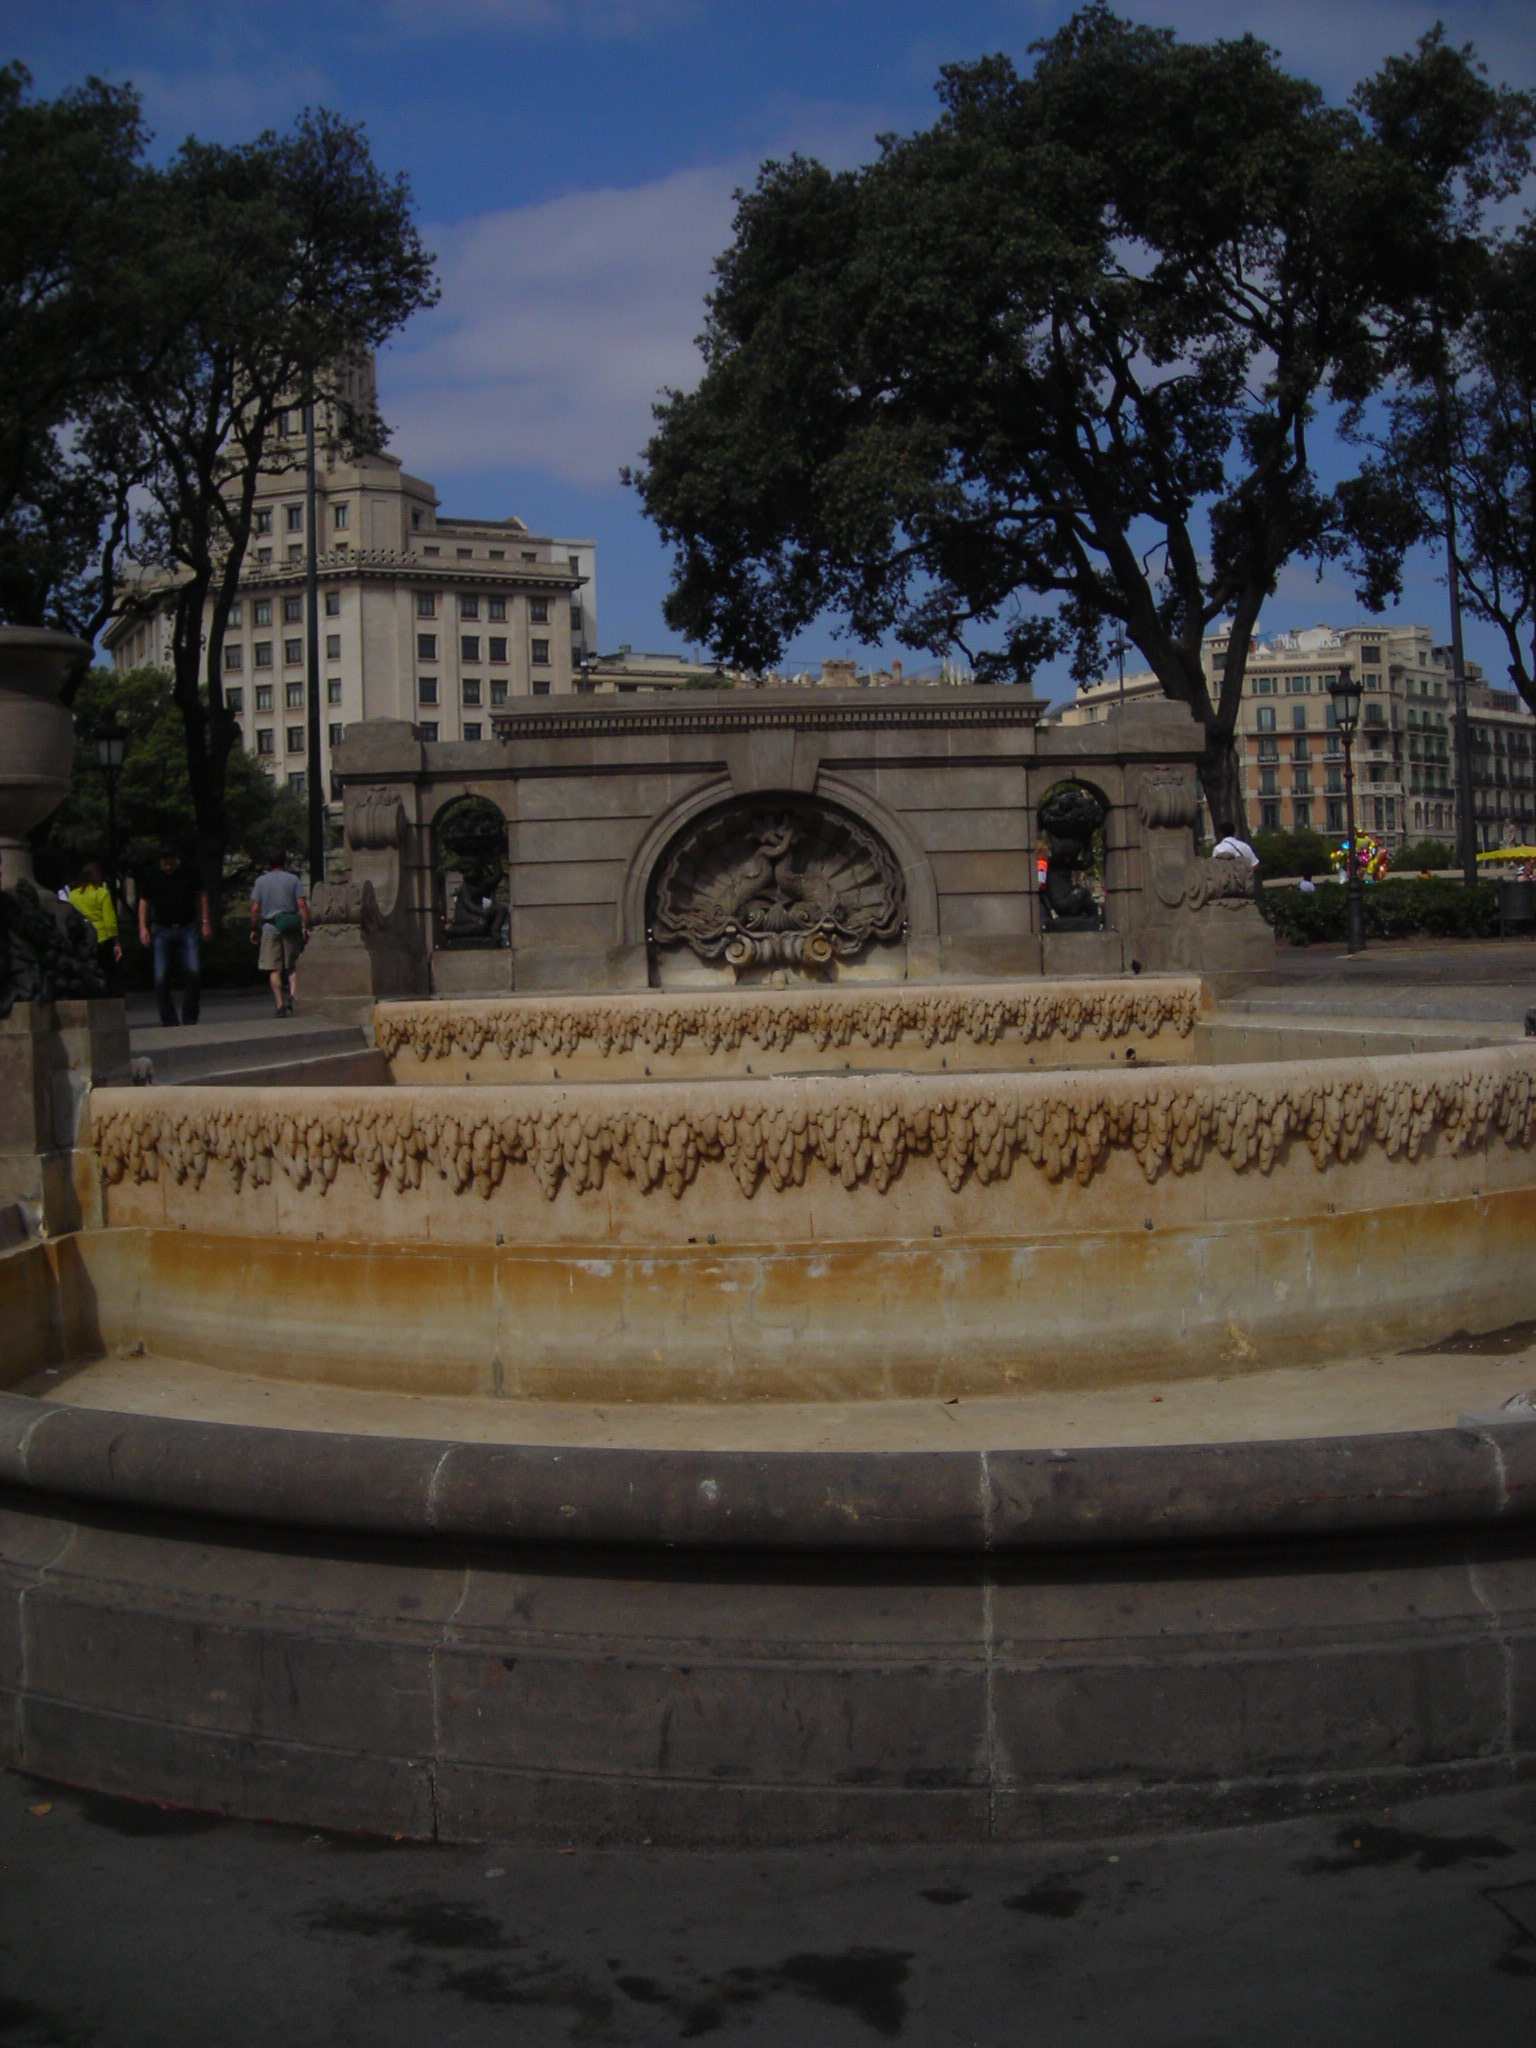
(50, 1055)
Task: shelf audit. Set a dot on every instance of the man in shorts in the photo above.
(280, 925)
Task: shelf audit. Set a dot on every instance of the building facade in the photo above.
(437, 619)
(1292, 759)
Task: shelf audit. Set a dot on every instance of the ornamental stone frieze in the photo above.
(862, 1133)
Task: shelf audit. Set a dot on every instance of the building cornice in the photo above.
(810, 709)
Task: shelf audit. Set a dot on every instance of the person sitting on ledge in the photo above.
(173, 911)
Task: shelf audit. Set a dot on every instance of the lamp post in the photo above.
(111, 747)
(1344, 692)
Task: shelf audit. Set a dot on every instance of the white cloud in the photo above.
(559, 325)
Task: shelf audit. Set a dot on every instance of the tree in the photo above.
(1069, 344)
(260, 269)
(154, 795)
(69, 169)
(1463, 436)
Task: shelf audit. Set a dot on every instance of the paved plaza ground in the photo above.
(128, 1927)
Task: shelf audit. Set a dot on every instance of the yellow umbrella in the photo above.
(1510, 853)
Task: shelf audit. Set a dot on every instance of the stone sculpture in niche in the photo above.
(1069, 817)
(779, 884)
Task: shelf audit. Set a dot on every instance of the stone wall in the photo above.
(943, 787)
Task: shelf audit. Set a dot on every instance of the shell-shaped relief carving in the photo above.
(779, 884)
(1066, 1128)
(774, 1023)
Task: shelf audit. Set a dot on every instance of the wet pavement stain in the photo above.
(1050, 1901)
(1481, 1343)
(866, 1982)
(1372, 1845)
(138, 1818)
(943, 1895)
(424, 1921)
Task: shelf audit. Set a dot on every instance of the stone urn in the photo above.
(37, 736)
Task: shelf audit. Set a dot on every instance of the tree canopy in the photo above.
(1067, 345)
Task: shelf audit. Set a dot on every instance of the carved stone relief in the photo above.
(778, 884)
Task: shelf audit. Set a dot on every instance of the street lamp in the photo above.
(1344, 693)
(111, 747)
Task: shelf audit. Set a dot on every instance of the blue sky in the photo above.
(573, 163)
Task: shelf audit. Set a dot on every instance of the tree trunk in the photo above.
(1222, 786)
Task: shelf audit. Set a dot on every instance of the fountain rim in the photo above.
(963, 1502)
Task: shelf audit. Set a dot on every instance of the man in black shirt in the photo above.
(173, 910)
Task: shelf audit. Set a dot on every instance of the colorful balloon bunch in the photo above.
(1375, 861)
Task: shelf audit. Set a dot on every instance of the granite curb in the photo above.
(955, 1502)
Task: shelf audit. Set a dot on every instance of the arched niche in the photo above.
(1072, 834)
(470, 897)
(775, 886)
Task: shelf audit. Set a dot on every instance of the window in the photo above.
(263, 696)
(498, 647)
(469, 607)
(1299, 717)
(498, 692)
(1301, 814)
(296, 552)
(1269, 817)
(333, 604)
(1269, 750)
(469, 647)
(463, 554)
(293, 610)
(472, 729)
(426, 690)
(539, 653)
(498, 554)
(293, 651)
(333, 690)
(294, 518)
(264, 520)
(235, 613)
(334, 733)
(1336, 817)
(573, 563)
(496, 608)
(234, 701)
(288, 422)
(295, 737)
(431, 551)
(1267, 719)
(264, 738)
(1369, 654)
(333, 647)
(471, 690)
(1269, 782)
(342, 516)
(1301, 782)
(529, 555)
(296, 783)
(415, 521)
(293, 696)
(1301, 747)
(426, 647)
(429, 728)
(426, 604)
(261, 654)
(541, 686)
(264, 557)
(538, 610)
(234, 658)
(261, 611)
(575, 618)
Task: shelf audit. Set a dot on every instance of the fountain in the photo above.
(780, 1399)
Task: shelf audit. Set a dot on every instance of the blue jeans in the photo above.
(167, 938)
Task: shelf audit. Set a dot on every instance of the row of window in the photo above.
(293, 696)
(293, 610)
(293, 654)
(1377, 814)
(469, 648)
(293, 518)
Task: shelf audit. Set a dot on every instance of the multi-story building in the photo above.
(1292, 759)
(424, 616)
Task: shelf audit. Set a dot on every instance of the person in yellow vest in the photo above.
(93, 899)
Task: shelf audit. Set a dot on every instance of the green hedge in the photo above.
(1399, 908)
